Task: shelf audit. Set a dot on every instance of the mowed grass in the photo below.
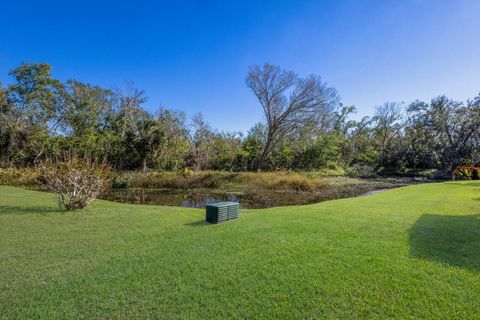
(409, 253)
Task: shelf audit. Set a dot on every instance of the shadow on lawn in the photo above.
(28, 210)
(199, 223)
(454, 240)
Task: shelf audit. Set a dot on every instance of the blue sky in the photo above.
(194, 55)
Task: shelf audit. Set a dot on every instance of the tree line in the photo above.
(305, 127)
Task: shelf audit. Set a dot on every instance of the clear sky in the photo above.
(194, 55)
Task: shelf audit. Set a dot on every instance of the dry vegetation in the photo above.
(76, 183)
(30, 177)
(218, 181)
(282, 181)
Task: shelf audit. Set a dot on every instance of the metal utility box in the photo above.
(222, 211)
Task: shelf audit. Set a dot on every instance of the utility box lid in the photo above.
(222, 204)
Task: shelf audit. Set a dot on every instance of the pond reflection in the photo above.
(250, 199)
(167, 197)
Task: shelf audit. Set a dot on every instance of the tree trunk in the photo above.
(144, 164)
(265, 153)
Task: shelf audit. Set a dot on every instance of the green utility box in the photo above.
(222, 211)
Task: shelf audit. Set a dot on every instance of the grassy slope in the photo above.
(412, 252)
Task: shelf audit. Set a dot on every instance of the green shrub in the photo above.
(185, 172)
(361, 171)
(121, 182)
(466, 173)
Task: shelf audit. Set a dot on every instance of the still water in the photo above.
(263, 199)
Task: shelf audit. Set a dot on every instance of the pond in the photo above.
(247, 200)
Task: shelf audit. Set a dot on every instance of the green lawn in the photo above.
(412, 252)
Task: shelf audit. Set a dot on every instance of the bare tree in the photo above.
(131, 107)
(288, 101)
(202, 140)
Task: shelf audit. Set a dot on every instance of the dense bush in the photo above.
(76, 182)
(466, 173)
(30, 177)
(361, 171)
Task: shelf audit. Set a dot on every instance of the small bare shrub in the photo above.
(76, 182)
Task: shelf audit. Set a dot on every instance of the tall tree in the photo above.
(87, 108)
(5, 125)
(388, 124)
(149, 137)
(423, 151)
(171, 156)
(202, 140)
(34, 103)
(36, 95)
(455, 124)
(287, 101)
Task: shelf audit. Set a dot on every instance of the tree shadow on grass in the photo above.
(454, 240)
(28, 210)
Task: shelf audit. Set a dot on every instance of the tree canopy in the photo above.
(305, 127)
